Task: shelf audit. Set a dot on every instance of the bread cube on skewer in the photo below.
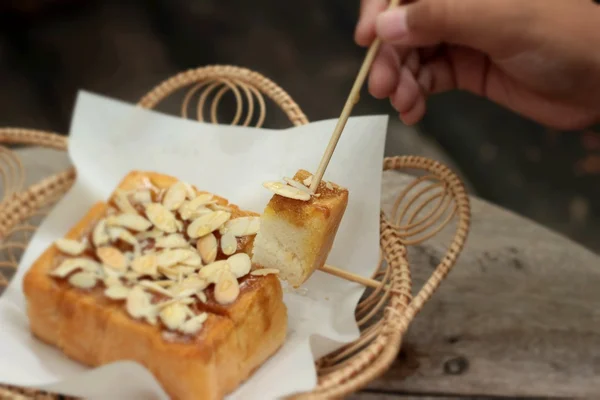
(297, 228)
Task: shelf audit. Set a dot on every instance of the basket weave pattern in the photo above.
(429, 204)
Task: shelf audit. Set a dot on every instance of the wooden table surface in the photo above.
(519, 315)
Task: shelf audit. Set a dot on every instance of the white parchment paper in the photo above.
(109, 138)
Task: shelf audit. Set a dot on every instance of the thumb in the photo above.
(482, 25)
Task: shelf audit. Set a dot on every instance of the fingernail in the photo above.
(391, 25)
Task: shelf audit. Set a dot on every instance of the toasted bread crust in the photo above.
(318, 219)
(325, 206)
(96, 330)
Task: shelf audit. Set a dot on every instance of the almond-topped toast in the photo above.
(160, 274)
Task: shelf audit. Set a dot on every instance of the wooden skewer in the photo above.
(349, 276)
(350, 102)
(335, 137)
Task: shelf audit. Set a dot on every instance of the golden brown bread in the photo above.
(235, 339)
(296, 236)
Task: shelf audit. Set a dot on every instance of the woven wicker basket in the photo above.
(426, 206)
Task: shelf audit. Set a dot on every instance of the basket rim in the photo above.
(239, 75)
(376, 357)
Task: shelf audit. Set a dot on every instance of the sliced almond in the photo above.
(174, 240)
(200, 211)
(194, 282)
(201, 200)
(297, 185)
(308, 181)
(122, 201)
(155, 288)
(177, 273)
(70, 247)
(134, 222)
(151, 234)
(72, 264)
(145, 265)
(169, 258)
(110, 281)
(185, 271)
(164, 283)
(161, 217)
(207, 246)
(117, 233)
(193, 260)
(110, 276)
(138, 303)
(186, 212)
(328, 185)
(212, 272)
(142, 197)
(193, 325)
(169, 302)
(99, 234)
(169, 273)
(264, 271)
(117, 292)
(182, 292)
(196, 207)
(112, 257)
(207, 223)
(219, 207)
(190, 191)
(239, 264)
(175, 196)
(228, 244)
(202, 297)
(173, 316)
(179, 225)
(83, 280)
(243, 226)
(287, 191)
(132, 277)
(227, 288)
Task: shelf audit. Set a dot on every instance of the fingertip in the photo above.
(415, 114)
(377, 85)
(362, 37)
(384, 74)
(406, 93)
(425, 79)
(365, 32)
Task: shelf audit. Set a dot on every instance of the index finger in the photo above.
(365, 28)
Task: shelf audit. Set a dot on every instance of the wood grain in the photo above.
(518, 315)
(395, 396)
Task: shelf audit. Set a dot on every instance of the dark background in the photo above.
(50, 49)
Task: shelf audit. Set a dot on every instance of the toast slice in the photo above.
(170, 290)
(297, 234)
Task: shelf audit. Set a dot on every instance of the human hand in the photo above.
(539, 58)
